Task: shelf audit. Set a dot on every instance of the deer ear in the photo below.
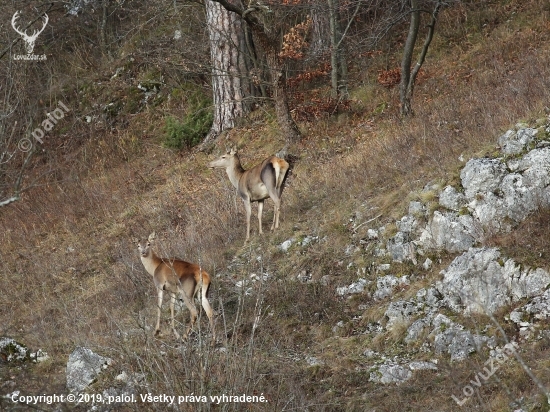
(135, 240)
(233, 150)
(152, 237)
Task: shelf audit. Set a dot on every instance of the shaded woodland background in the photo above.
(130, 158)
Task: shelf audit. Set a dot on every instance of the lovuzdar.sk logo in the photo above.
(29, 40)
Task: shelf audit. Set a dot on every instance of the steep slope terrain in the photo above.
(317, 315)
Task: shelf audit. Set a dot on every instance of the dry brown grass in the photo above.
(71, 275)
(529, 243)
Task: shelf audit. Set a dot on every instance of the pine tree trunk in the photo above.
(269, 40)
(280, 96)
(228, 67)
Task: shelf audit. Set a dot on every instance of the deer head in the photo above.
(29, 40)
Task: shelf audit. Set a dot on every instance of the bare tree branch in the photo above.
(17, 189)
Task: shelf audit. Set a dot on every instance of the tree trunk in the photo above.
(103, 28)
(280, 96)
(408, 77)
(339, 71)
(228, 67)
(270, 40)
(343, 70)
(405, 87)
(320, 42)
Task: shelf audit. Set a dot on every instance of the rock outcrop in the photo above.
(83, 368)
(495, 195)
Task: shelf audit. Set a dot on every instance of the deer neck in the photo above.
(235, 171)
(150, 262)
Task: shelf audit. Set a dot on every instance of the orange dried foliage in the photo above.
(315, 107)
(276, 3)
(460, 76)
(389, 78)
(370, 53)
(310, 105)
(294, 42)
(309, 75)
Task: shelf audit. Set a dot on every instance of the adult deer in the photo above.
(255, 185)
(176, 276)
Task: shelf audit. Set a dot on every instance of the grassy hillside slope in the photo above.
(71, 275)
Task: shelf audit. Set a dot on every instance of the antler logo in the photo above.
(29, 40)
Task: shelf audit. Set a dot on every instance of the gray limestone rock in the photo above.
(83, 368)
(400, 311)
(479, 282)
(390, 372)
(482, 176)
(451, 199)
(400, 248)
(448, 231)
(514, 142)
(385, 285)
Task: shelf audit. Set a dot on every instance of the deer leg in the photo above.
(248, 209)
(260, 211)
(277, 202)
(172, 303)
(192, 309)
(209, 312)
(159, 306)
(275, 224)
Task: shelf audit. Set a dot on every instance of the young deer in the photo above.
(176, 276)
(255, 185)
